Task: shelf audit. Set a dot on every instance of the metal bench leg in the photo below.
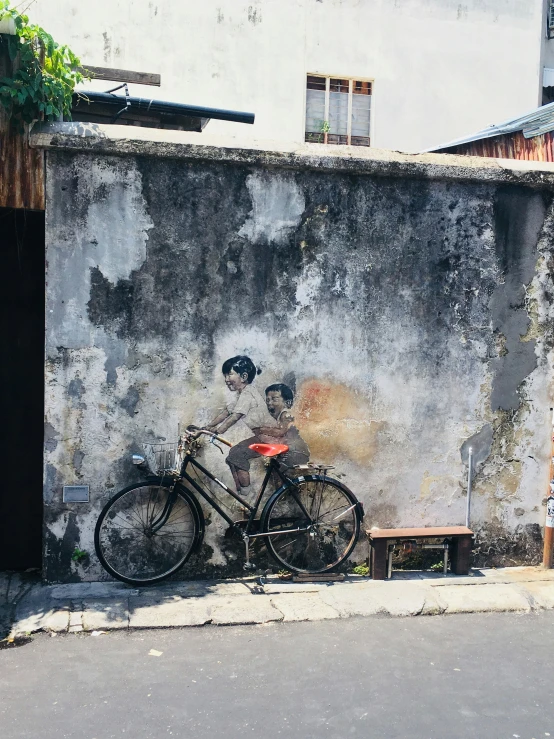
(461, 552)
(390, 550)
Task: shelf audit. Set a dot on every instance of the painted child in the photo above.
(249, 406)
(279, 399)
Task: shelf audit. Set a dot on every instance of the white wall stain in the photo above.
(112, 236)
(277, 207)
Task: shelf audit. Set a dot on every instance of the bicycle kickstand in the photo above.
(247, 565)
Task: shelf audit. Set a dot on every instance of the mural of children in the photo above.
(239, 373)
(279, 399)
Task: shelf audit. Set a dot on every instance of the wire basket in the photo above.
(164, 457)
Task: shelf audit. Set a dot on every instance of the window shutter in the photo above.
(315, 108)
(361, 113)
(338, 112)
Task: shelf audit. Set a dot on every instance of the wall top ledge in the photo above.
(116, 140)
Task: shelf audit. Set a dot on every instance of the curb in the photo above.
(88, 607)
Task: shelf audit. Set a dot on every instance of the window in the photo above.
(337, 111)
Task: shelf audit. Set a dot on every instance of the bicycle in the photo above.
(148, 530)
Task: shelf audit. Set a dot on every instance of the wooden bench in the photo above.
(458, 538)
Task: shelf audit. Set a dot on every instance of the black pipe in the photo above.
(160, 106)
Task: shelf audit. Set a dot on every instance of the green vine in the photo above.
(43, 76)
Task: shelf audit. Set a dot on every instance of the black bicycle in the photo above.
(148, 530)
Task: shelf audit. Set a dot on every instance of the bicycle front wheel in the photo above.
(127, 544)
(313, 524)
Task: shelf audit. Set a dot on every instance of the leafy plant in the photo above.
(44, 73)
(361, 570)
(79, 554)
(324, 128)
(284, 575)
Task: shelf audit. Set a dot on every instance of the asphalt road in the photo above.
(442, 677)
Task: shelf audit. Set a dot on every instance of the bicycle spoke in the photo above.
(137, 518)
(138, 512)
(170, 535)
(153, 514)
(288, 543)
(129, 528)
(171, 520)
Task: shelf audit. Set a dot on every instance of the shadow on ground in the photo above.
(31, 606)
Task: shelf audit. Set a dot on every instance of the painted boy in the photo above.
(279, 399)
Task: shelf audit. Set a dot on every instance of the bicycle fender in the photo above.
(263, 517)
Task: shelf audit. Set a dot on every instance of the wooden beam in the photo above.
(121, 75)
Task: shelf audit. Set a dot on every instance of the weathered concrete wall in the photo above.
(412, 313)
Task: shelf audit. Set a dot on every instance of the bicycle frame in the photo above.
(244, 533)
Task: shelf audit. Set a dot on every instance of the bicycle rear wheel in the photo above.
(320, 523)
(125, 543)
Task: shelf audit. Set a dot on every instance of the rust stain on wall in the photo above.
(21, 170)
(432, 486)
(336, 422)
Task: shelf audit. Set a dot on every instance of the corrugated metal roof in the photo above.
(510, 146)
(532, 124)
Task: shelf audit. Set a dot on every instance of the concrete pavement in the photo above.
(106, 606)
(481, 675)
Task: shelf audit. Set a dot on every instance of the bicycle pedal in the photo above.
(248, 566)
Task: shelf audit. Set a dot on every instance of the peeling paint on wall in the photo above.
(277, 207)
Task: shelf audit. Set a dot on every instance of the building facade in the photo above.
(397, 74)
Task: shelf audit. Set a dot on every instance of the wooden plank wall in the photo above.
(21, 168)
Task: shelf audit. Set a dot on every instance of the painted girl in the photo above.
(249, 405)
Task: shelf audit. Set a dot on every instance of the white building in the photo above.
(398, 74)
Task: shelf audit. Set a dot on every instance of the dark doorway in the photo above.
(22, 377)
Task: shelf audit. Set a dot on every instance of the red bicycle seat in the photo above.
(269, 450)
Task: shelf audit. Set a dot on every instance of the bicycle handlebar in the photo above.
(194, 430)
(221, 439)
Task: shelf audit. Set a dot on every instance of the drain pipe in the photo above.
(469, 481)
(549, 522)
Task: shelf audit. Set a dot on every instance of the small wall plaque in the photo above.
(75, 493)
